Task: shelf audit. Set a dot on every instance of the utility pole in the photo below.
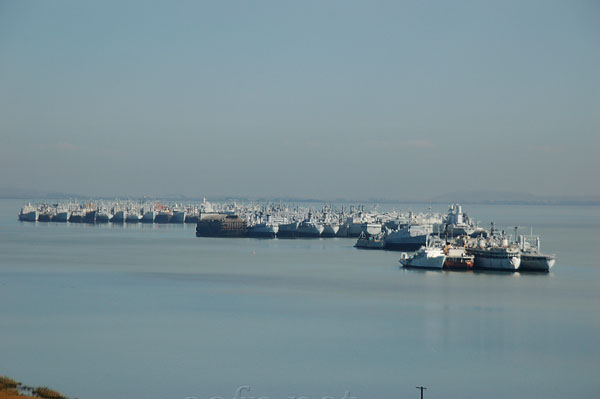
(422, 389)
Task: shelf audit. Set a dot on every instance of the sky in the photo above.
(308, 99)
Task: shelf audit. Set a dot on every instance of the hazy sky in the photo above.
(320, 99)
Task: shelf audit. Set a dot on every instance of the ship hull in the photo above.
(162, 218)
(310, 231)
(44, 217)
(148, 217)
(263, 231)
(485, 260)
(61, 217)
(288, 230)
(29, 216)
(459, 264)
(90, 217)
(369, 244)
(436, 262)
(132, 218)
(178, 217)
(536, 263)
(102, 217)
(119, 217)
(330, 230)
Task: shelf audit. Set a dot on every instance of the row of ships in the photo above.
(450, 241)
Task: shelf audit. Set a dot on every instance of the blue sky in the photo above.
(310, 99)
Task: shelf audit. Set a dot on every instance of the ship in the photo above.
(222, 225)
(90, 216)
(77, 216)
(178, 217)
(457, 223)
(532, 259)
(132, 216)
(425, 258)
(103, 216)
(119, 217)
(491, 256)
(263, 230)
(62, 216)
(309, 228)
(28, 214)
(457, 258)
(163, 216)
(288, 229)
(148, 216)
(411, 237)
(330, 229)
(370, 242)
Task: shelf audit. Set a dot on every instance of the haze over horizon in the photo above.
(316, 100)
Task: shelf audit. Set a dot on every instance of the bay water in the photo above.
(151, 311)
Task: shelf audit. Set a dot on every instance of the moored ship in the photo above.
(457, 258)
(288, 230)
(370, 242)
(532, 259)
(493, 257)
(424, 258)
(29, 214)
(411, 237)
(222, 225)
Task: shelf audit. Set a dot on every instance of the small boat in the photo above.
(370, 242)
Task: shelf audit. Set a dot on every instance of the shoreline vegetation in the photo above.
(12, 389)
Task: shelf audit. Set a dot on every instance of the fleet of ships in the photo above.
(450, 241)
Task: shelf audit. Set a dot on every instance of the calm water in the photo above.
(153, 312)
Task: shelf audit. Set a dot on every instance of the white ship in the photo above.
(532, 259)
(425, 258)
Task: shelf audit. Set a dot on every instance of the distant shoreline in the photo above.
(591, 202)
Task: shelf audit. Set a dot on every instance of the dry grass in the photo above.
(11, 389)
(6, 382)
(45, 392)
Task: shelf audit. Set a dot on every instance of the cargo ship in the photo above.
(222, 225)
